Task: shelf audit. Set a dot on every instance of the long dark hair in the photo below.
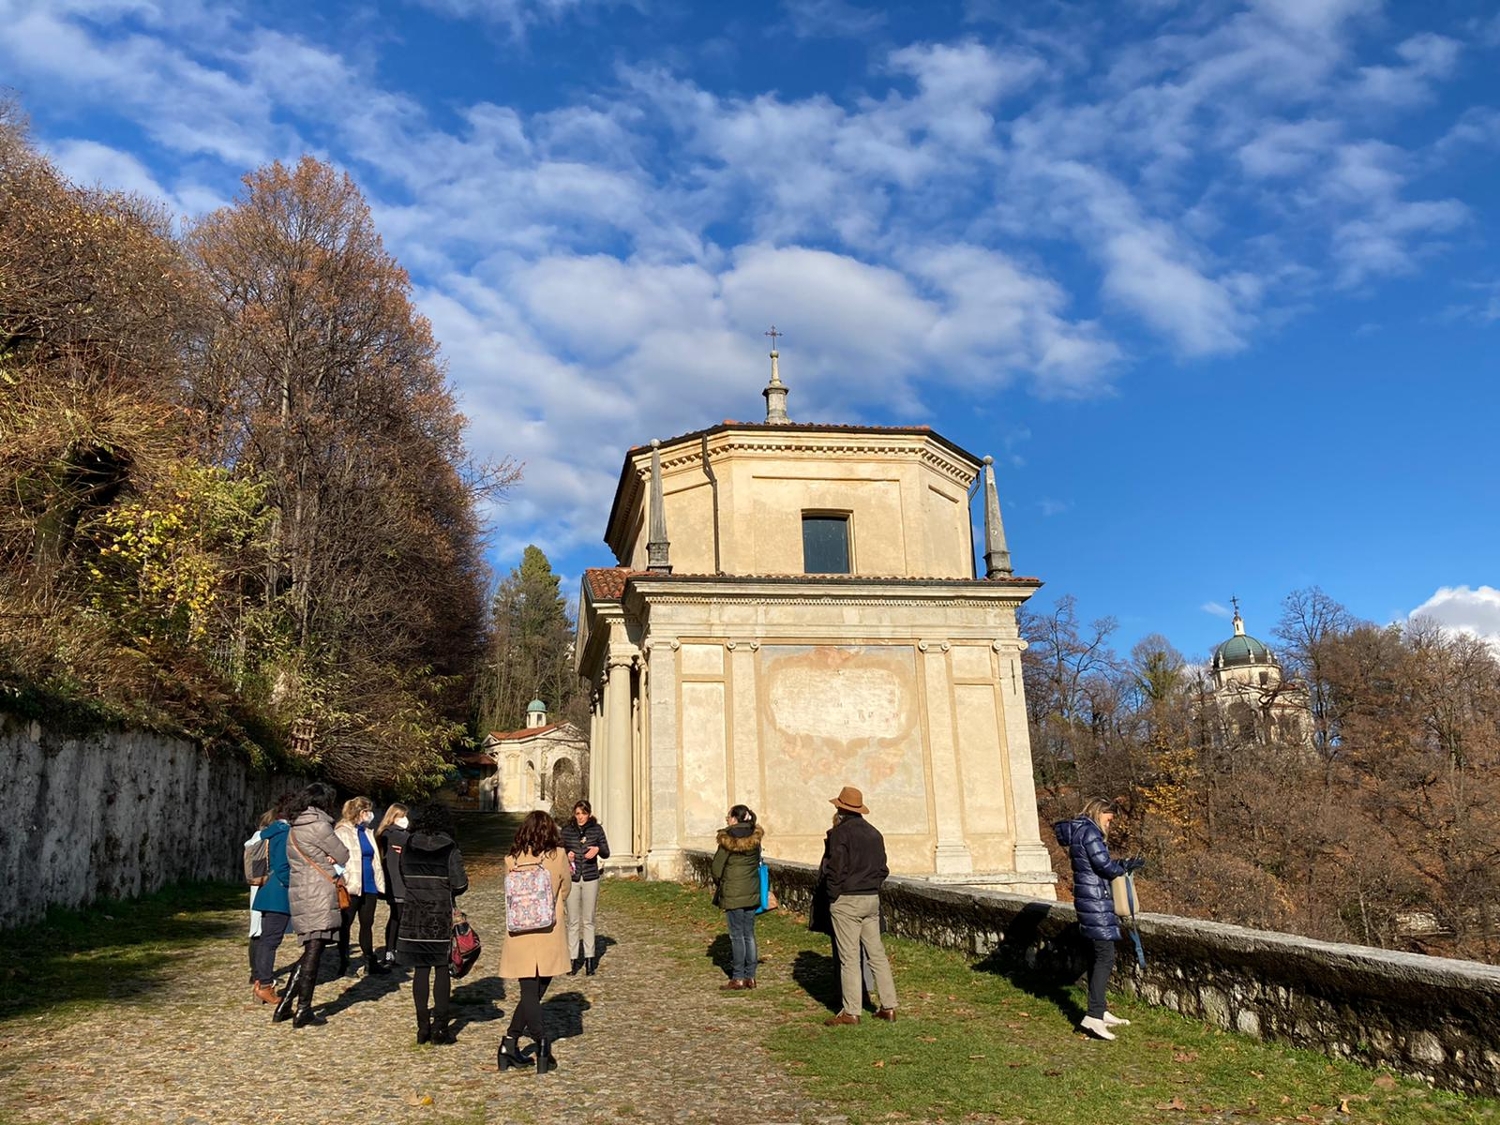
(433, 819)
(743, 814)
(318, 795)
(537, 835)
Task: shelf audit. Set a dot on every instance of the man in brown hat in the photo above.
(854, 867)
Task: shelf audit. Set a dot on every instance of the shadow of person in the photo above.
(563, 1014)
(720, 953)
(477, 1000)
(818, 976)
(1044, 967)
(365, 988)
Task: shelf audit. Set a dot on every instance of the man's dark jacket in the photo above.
(855, 860)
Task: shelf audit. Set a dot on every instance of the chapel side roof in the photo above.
(728, 426)
(609, 583)
(521, 735)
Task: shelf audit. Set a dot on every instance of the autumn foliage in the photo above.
(1380, 827)
(225, 458)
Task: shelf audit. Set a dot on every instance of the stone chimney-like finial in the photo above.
(657, 547)
(996, 554)
(775, 391)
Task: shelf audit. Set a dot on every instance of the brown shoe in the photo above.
(887, 1014)
(748, 983)
(265, 993)
(843, 1019)
(732, 986)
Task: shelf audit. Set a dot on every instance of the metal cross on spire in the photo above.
(775, 391)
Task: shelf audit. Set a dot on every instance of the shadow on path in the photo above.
(563, 1014)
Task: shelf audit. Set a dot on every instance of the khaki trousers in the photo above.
(856, 924)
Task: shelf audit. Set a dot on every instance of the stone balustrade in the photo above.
(1430, 1017)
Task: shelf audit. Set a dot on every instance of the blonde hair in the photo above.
(354, 808)
(393, 812)
(1095, 808)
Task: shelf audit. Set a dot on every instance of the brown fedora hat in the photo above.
(850, 799)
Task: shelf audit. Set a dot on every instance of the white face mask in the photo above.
(401, 822)
(367, 818)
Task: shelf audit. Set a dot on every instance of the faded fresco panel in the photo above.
(702, 660)
(832, 716)
(980, 759)
(704, 785)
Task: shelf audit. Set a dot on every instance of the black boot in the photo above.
(508, 1054)
(589, 965)
(307, 981)
(288, 999)
(424, 1026)
(577, 962)
(544, 1059)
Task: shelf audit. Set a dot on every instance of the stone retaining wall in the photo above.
(1430, 1017)
(117, 813)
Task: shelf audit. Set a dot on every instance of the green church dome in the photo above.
(1241, 649)
(535, 706)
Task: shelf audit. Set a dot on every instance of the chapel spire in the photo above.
(658, 560)
(775, 391)
(996, 553)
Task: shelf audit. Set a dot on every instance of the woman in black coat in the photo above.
(1084, 837)
(432, 875)
(584, 840)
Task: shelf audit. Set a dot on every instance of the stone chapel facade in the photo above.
(813, 620)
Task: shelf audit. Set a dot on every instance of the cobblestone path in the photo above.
(643, 1040)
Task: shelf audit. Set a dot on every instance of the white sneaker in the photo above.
(1096, 1027)
(1112, 1020)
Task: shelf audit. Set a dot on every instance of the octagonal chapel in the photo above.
(796, 607)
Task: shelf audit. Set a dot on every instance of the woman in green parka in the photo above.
(736, 871)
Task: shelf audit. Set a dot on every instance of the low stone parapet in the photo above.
(1430, 1017)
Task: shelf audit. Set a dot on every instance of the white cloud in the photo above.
(518, 15)
(1216, 610)
(1474, 611)
(1426, 58)
(834, 19)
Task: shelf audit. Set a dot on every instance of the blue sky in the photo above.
(1216, 283)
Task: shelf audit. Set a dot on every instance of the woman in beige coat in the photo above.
(534, 958)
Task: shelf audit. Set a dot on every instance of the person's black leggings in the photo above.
(1104, 963)
(419, 990)
(392, 925)
(364, 909)
(528, 1014)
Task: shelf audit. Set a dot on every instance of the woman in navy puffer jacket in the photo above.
(1084, 837)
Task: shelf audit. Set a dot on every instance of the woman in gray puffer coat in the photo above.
(317, 857)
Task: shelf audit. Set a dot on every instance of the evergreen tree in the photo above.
(531, 648)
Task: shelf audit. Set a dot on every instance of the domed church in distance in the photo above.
(1256, 704)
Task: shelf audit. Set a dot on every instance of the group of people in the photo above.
(846, 903)
(322, 875)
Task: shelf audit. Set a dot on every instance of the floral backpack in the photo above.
(529, 905)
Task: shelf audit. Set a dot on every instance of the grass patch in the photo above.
(112, 951)
(972, 1045)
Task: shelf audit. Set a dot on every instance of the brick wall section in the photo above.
(1429, 1017)
(117, 813)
